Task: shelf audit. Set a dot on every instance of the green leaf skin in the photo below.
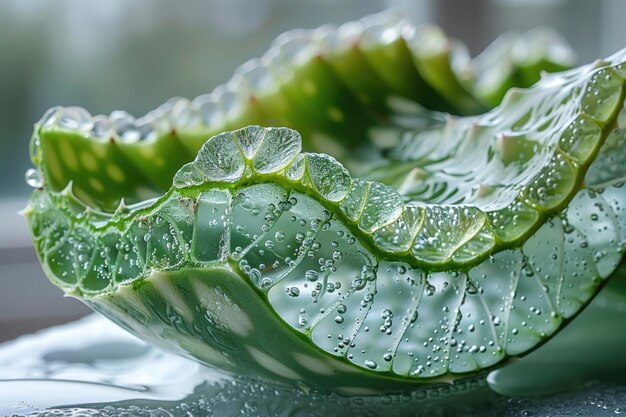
(469, 243)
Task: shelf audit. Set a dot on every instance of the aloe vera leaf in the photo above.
(450, 277)
(450, 280)
(338, 87)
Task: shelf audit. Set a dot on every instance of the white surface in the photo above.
(89, 361)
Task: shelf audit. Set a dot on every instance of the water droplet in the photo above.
(471, 289)
(371, 364)
(430, 290)
(293, 291)
(33, 178)
(311, 275)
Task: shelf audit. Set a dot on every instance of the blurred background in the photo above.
(134, 55)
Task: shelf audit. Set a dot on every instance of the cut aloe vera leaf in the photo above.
(484, 237)
(346, 90)
(398, 288)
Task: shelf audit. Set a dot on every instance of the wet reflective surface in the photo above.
(93, 368)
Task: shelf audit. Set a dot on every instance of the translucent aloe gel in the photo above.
(415, 246)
